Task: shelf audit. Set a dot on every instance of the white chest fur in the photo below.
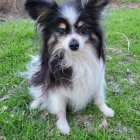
(87, 74)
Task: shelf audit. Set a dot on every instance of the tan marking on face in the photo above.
(94, 36)
(90, 46)
(81, 23)
(51, 40)
(58, 47)
(99, 2)
(62, 25)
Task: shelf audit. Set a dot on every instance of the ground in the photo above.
(18, 122)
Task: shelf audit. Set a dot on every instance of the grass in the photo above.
(18, 122)
(129, 1)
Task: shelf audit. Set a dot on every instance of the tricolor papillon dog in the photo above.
(69, 71)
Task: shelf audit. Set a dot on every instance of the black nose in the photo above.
(74, 45)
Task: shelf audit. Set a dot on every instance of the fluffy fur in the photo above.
(69, 71)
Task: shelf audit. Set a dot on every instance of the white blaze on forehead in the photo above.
(70, 14)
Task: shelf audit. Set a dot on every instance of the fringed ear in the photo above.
(36, 8)
(95, 7)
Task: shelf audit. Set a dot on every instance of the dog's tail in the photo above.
(32, 67)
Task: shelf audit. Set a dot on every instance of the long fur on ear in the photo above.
(95, 7)
(37, 8)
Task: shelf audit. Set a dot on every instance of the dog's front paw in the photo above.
(108, 111)
(63, 126)
(35, 104)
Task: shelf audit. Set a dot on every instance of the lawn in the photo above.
(128, 1)
(18, 122)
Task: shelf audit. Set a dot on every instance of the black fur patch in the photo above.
(59, 75)
(53, 74)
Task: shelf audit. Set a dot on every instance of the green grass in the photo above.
(17, 122)
(129, 1)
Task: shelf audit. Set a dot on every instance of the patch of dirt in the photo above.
(6, 97)
(84, 120)
(11, 16)
(123, 129)
(16, 10)
(2, 138)
(115, 5)
(10, 10)
(115, 88)
(103, 124)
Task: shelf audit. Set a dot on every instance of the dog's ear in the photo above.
(95, 7)
(37, 8)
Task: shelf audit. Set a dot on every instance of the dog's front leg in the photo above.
(99, 99)
(62, 123)
(57, 106)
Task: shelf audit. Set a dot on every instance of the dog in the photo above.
(69, 71)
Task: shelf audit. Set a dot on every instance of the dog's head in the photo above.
(71, 26)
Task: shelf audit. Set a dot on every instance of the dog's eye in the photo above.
(82, 29)
(61, 31)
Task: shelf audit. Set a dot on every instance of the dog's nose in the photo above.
(74, 45)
